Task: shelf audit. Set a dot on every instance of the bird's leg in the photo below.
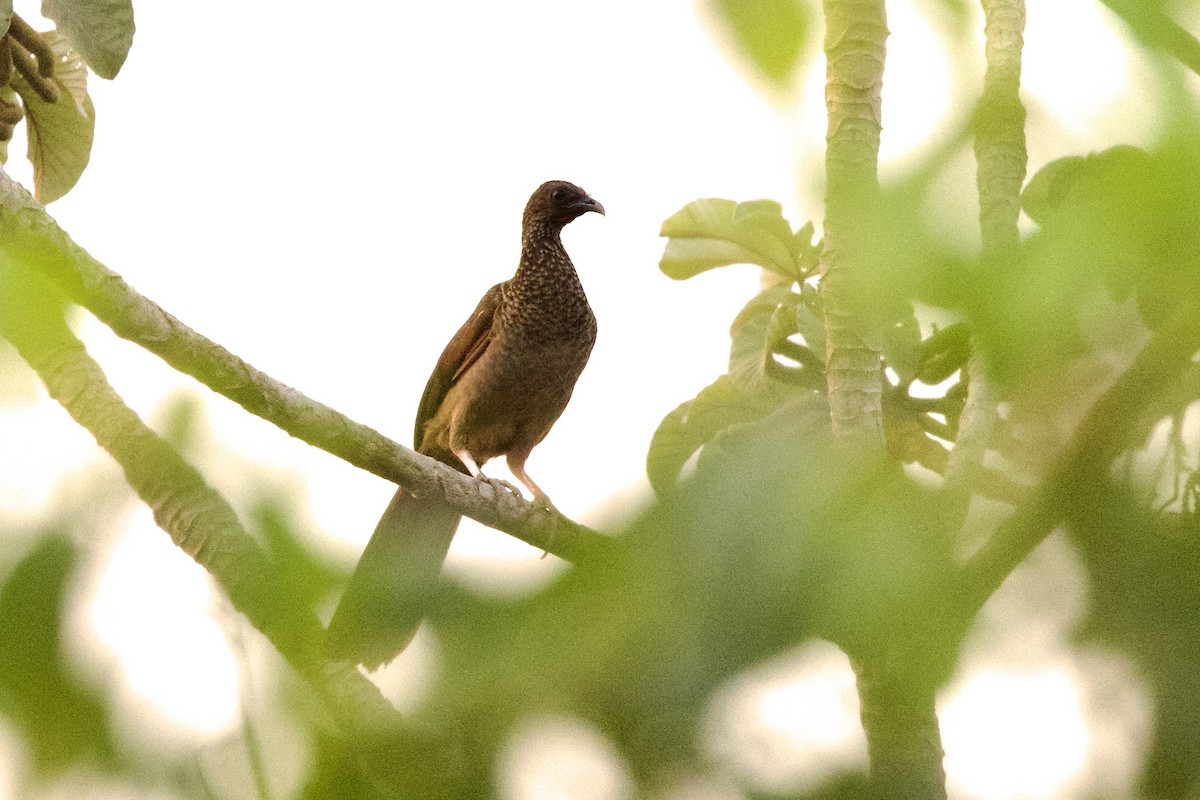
(497, 485)
(516, 465)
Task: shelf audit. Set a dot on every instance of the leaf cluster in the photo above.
(777, 348)
(36, 69)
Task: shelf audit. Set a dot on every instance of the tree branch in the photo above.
(855, 45)
(31, 237)
(1154, 28)
(1001, 161)
(198, 520)
(1099, 439)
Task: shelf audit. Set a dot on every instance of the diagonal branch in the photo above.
(1154, 28)
(1099, 440)
(31, 237)
(199, 521)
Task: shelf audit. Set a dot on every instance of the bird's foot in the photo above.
(498, 485)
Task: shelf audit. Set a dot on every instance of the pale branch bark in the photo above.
(32, 238)
(1000, 133)
(1071, 484)
(1000, 172)
(898, 714)
(198, 520)
(855, 37)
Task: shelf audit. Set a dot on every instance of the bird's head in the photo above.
(558, 202)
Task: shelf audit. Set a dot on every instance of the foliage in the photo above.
(767, 530)
(36, 69)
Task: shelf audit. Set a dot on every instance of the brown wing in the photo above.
(463, 350)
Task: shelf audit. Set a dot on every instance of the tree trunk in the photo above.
(904, 743)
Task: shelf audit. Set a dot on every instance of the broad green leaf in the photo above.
(100, 30)
(6, 12)
(712, 233)
(770, 35)
(718, 407)
(60, 134)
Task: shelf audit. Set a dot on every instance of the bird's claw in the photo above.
(498, 485)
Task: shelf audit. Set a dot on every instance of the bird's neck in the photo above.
(542, 252)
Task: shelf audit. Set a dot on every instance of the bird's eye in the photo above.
(557, 194)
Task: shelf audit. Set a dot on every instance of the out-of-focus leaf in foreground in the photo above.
(779, 536)
(769, 35)
(61, 722)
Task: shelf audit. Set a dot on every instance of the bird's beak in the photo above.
(588, 204)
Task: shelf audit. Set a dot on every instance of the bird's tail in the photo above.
(392, 585)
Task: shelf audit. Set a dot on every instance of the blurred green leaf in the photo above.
(811, 325)
(959, 13)
(310, 577)
(770, 35)
(1115, 224)
(944, 353)
(714, 233)
(780, 536)
(182, 422)
(62, 723)
(60, 134)
(1145, 600)
(689, 427)
(100, 30)
(902, 346)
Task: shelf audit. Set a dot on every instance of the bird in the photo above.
(499, 386)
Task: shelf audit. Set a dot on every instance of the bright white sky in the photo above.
(353, 181)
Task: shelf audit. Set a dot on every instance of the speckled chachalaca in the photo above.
(499, 386)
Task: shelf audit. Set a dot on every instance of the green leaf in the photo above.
(902, 347)
(770, 35)
(717, 408)
(811, 326)
(769, 317)
(60, 134)
(943, 353)
(807, 253)
(749, 352)
(712, 233)
(100, 30)
(61, 721)
(6, 12)
(765, 302)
